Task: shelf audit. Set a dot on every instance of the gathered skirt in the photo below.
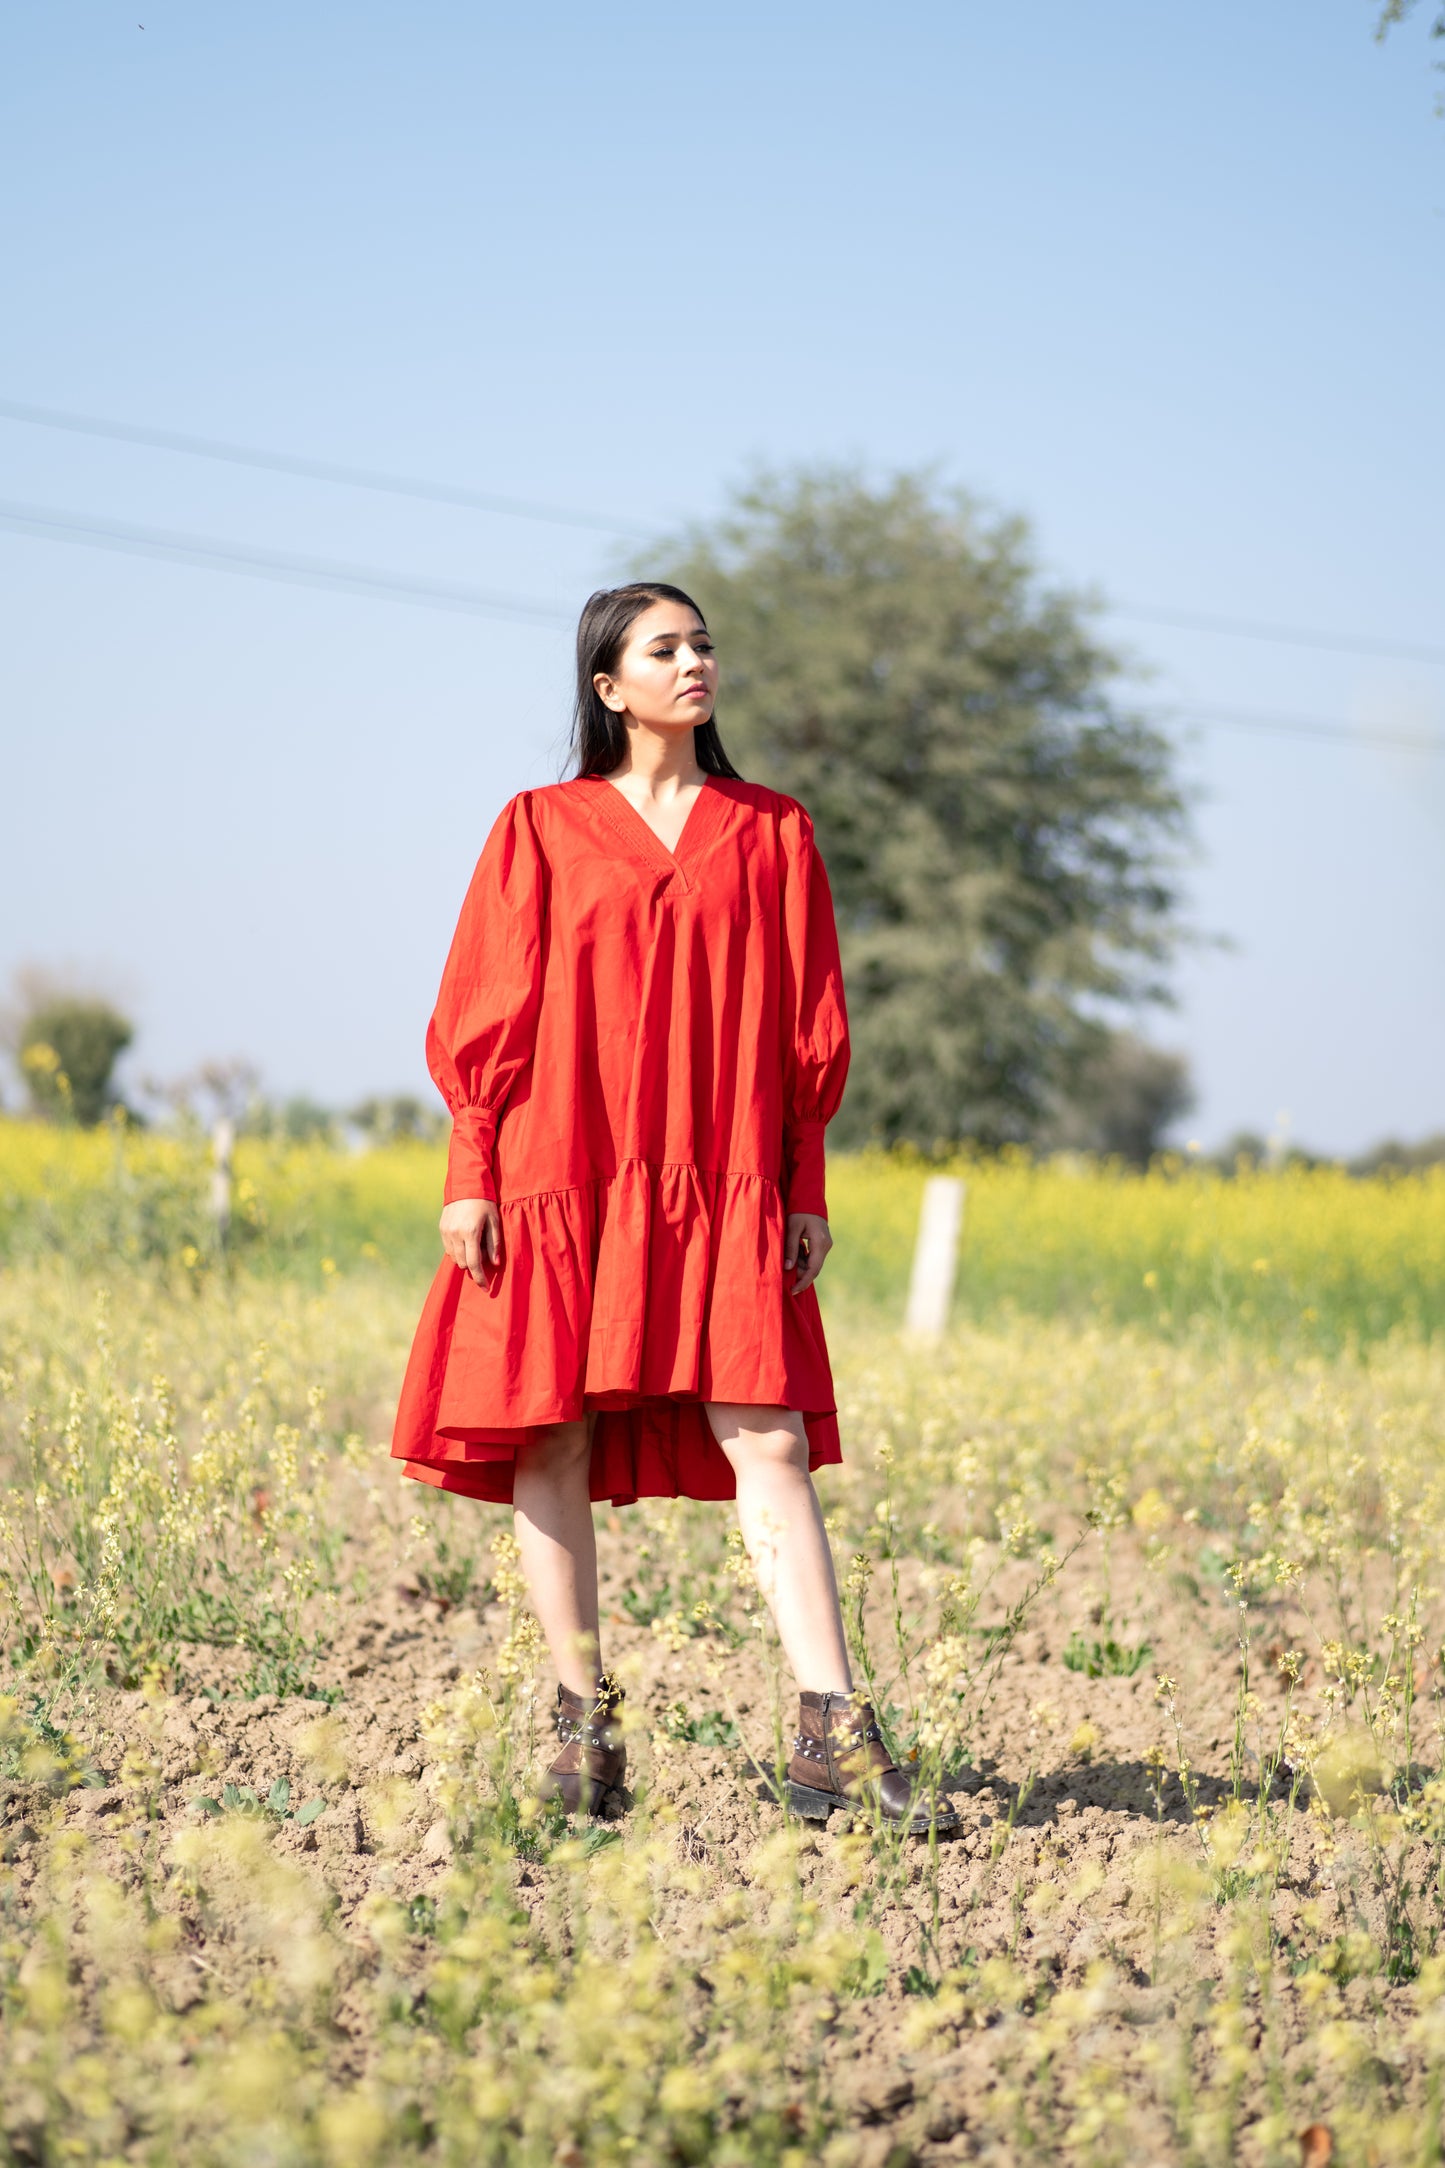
(641, 1296)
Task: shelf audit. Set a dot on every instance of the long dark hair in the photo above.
(599, 738)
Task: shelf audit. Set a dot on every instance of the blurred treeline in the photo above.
(66, 1041)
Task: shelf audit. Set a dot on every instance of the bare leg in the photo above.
(782, 1525)
(553, 1518)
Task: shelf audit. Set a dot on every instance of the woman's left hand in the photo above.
(805, 1245)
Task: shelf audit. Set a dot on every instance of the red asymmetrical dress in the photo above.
(640, 1049)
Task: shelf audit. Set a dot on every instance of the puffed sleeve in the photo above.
(481, 1037)
(815, 1021)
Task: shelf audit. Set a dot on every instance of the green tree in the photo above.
(397, 1118)
(1393, 12)
(305, 1121)
(994, 824)
(69, 1045)
(1123, 1101)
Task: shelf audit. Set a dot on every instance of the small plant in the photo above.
(1107, 1659)
(275, 1807)
(38, 1751)
(867, 1973)
(648, 1602)
(451, 1578)
(421, 1915)
(682, 1575)
(709, 1729)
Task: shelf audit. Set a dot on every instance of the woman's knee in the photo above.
(758, 1443)
(557, 1448)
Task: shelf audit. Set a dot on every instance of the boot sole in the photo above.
(808, 1805)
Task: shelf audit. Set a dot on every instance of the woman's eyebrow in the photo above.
(698, 631)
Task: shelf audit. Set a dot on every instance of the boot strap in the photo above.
(569, 1730)
(816, 1750)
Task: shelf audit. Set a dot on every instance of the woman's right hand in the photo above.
(472, 1236)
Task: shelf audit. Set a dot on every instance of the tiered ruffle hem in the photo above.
(641, 1295)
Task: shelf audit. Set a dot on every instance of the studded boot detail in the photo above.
(839, 1760)
(589, 1773)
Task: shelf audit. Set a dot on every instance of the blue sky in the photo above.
(1167, 281)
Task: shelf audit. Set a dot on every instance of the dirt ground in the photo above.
(1066, 1884)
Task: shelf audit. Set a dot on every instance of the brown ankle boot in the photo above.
(840, 1760)
(588, 1774)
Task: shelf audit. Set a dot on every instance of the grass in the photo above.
(1144, 1557)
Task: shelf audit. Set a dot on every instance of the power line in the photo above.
(474, 500)
(44, 524)
(194, 549)
(1243, 628)
(1308, 726)
(316, 470)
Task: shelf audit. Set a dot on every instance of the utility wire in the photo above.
(1245, 628)
(44, 524)
(316, 470)
(1306, 726)
(474, 500)
(214, 556)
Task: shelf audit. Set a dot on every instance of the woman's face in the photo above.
(666, 675)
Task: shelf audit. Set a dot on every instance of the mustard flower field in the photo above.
(1142, 1567)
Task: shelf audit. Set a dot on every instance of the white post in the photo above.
(223, 1139)
(935, 1257)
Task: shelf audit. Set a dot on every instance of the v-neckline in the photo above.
(629, 823)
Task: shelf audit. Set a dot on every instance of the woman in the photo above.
(641, 1037)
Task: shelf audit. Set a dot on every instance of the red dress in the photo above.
(640, 1049)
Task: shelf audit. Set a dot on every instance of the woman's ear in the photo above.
(606, 691)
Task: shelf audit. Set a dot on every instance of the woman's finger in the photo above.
(814, 1244)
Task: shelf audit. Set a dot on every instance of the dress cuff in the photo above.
(469, 1156)
(803, 1168)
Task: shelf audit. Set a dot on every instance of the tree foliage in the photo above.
(399, 1118)
(993, 822)
(69, 1045)
(1395, 11)
(1123, 1102)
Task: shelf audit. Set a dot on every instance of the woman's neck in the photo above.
(658, 763)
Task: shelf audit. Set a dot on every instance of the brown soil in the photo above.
(1096, 1801)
